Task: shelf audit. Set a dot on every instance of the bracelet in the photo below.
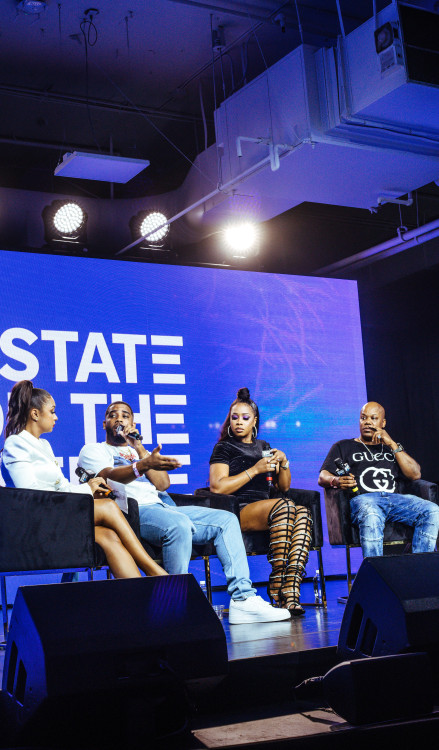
(137, 473)
(334, 479)
(248, 475)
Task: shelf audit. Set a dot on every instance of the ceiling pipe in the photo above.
(51, 145)
(246, 13)
(214, 8)
(57, 98)
(220, 189)
(390, 247)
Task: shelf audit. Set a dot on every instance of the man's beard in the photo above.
(115, 439)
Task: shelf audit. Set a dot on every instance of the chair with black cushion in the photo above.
(257, 542)
(341, 530)
(42, 531)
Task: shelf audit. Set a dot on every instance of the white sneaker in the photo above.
(254, 609)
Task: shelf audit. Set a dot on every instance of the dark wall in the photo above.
(400, 324)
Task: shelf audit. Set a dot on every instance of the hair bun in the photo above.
(243, 394)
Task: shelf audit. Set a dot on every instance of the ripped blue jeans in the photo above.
(371, 510)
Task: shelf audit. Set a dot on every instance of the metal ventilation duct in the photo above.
(339, 126)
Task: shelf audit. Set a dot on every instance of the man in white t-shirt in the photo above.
(123, 458)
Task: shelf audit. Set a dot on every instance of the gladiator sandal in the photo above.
(297, 558)
(281, 521)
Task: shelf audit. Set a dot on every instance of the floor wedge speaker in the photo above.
(393, 607)
(107, 645)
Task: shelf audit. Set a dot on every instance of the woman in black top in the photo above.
(239, 467)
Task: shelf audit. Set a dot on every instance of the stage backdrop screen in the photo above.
(177, 343)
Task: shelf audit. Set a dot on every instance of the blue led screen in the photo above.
(177, 343)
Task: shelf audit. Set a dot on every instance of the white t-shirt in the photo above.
(97, 456)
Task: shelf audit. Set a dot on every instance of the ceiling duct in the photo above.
(344, 126)
(385, 74)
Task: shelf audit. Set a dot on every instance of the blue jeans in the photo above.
(371, 510)
(175, 529)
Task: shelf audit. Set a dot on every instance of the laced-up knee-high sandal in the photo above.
(297, 557)
(281, 520)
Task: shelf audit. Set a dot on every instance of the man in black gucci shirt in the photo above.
(375, 464)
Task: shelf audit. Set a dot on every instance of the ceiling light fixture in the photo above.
(31, 7)
(103, 167)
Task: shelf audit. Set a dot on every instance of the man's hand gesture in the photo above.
(158, 462)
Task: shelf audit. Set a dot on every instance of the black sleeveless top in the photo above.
(240, 456)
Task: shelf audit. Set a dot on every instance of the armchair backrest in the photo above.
(42, 530)
(256, 542)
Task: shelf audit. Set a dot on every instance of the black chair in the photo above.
(53, 532)
(48, 532)
(341, 530)
(257, 542)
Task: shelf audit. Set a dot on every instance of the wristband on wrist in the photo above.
(248, 474)
(136, 471)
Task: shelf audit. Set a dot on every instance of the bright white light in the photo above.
(68, 218)
(270, 424)
(32, 6)
(241, 238)
(152, 221)
(298, 424)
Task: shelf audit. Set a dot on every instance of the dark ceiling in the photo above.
(141, 79)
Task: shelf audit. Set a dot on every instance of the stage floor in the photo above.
(319, 628)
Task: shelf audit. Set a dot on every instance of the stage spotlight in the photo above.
(65, 222)
(68, 219)
(152, 226)
(242, 239)
(154, 221)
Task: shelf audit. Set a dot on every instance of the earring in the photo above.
(228, 432)
(254, 431)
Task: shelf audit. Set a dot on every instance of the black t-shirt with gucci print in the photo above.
(373, 466)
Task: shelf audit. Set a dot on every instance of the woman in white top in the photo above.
(30, 463)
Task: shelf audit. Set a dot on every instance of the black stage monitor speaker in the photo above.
(393, 607)
(382, 688)
(93, 644)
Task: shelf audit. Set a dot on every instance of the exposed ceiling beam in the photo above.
(105, 104)
(52, 145)
(248, 11)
